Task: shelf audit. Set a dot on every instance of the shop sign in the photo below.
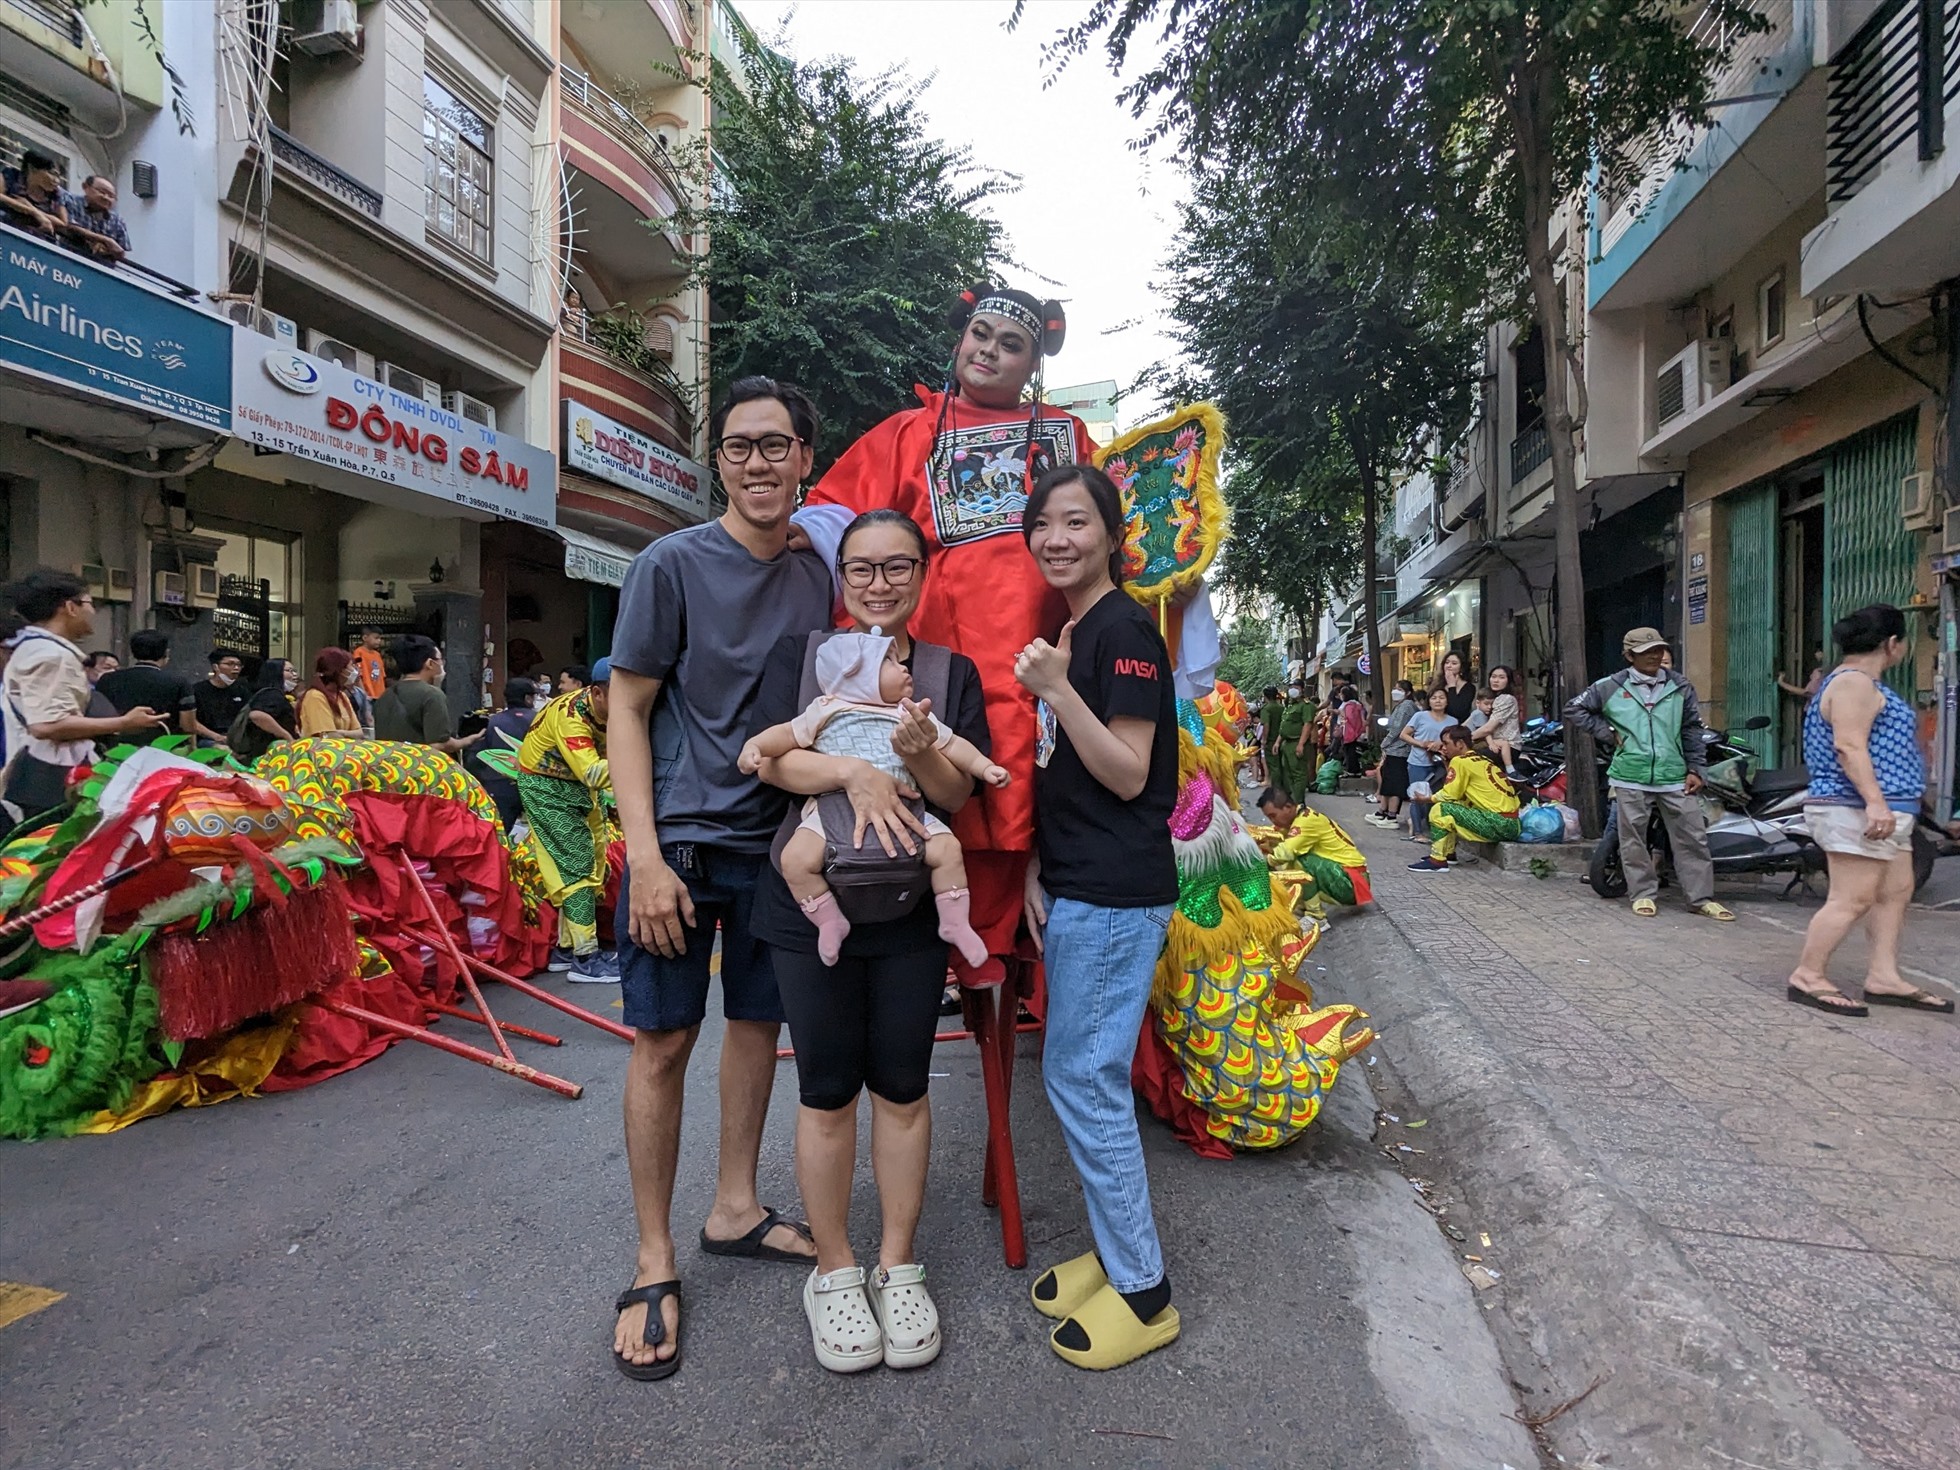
(67, 320)
(588, 559)
(294, 403)
(608, 450)
(1697, 600)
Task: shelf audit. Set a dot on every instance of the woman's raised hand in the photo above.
(1042, 667)
(878, 803)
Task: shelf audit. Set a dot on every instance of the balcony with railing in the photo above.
(289, 153)
(607, 139)
(1888, 176)
(1668, 218)
(1531, 451)
(621, 365)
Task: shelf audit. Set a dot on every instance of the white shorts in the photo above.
(813, 821)
(1842, 829)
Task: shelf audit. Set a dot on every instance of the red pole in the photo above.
(510, 1027)
(525, 987)
(462, 961)
(457, 1048)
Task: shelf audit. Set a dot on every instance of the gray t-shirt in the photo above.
(1398, 721)
(700, 614)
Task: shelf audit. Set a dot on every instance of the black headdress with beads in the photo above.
(1044, 322)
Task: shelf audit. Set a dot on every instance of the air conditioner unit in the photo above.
(1950, 531)
(122, 584)
(1916, 502)
(345, 353)
(409, 385)
(204, 585)
(282, 329)
(170, 589)
(473, 409)
(1690, 378)
(326, 27)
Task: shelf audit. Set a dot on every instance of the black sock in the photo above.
(1151, 1300)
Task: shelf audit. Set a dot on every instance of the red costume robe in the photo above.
(984, 596)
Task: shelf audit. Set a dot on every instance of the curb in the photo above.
(1590, 1286)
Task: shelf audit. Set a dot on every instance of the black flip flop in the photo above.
(750, 1247)
(1912, 1000)
(1819, 1001)
(653, 1333)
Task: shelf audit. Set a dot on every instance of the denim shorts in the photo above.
(662, 994)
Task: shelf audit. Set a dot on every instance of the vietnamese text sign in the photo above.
(610, 451)
(70, 321)
(317, 410)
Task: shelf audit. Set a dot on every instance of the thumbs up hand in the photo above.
(1042, 667)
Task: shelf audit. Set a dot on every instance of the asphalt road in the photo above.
(413, 1265)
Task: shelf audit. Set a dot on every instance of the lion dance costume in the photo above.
(1234, 1053)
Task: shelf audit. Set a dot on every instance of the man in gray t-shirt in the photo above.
(701, 614)
(698, 616)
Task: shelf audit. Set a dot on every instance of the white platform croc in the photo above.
(843, 1328)
(905, 1311)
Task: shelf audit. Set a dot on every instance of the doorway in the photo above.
(1801, 624)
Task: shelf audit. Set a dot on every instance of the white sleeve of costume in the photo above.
(1198, 651)
(824, 525)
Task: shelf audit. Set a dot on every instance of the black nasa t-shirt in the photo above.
(1096, 847)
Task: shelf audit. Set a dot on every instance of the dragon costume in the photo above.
(1234, 1054)
(567, 792)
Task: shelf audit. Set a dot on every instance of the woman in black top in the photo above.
(1099, 899)
(868, 1021)
(269, 715)
(1454, 679)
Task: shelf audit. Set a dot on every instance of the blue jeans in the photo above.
(1419, 812)
(1100, 962)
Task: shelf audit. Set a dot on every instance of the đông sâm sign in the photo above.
(66, 320)
(304, 406)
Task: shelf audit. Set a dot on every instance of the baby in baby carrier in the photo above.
(862, 683)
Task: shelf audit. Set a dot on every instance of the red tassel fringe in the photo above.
(209, 983)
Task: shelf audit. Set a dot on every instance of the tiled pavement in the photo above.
(1807, 1167)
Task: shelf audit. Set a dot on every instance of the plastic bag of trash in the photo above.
(1327, 777)
(1541, 823)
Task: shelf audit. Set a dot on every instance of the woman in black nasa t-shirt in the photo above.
(1100, 893)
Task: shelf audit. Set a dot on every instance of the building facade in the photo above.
(416, 347)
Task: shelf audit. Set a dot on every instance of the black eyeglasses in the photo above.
(775, 448)
(898, 571)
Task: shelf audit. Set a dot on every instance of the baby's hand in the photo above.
(996, 776)
(750, 760)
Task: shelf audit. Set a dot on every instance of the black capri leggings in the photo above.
(861, 1023)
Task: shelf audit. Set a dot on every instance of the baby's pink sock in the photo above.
(956, 925)
(832, 926)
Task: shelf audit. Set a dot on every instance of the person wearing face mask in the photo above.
(216, 701)
(1294, 773)
(960, 466)
(269, 716)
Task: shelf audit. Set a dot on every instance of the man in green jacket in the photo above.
(1293, 774)
(1650, 717)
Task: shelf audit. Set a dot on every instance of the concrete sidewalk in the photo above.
(1743, 1214)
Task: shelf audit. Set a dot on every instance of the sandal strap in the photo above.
(654, 1330)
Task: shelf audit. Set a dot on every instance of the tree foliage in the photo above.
(837, 234)
(1252, 661)
(1472, 122)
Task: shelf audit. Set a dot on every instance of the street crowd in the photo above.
(991, 720)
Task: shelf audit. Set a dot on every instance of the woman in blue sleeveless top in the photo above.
(1866, 780)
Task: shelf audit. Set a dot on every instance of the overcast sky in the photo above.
(1091, 215)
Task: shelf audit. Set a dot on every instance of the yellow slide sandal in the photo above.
(1113, 1334)
(1059, 1290)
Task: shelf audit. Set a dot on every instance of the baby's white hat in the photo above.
(848, 664)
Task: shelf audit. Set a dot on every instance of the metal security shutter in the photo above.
(1752, 640)
(1869, 555)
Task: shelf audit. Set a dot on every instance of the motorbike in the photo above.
(1755, 824)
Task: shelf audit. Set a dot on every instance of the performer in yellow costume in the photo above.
(1314, 854)
(566, 788)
